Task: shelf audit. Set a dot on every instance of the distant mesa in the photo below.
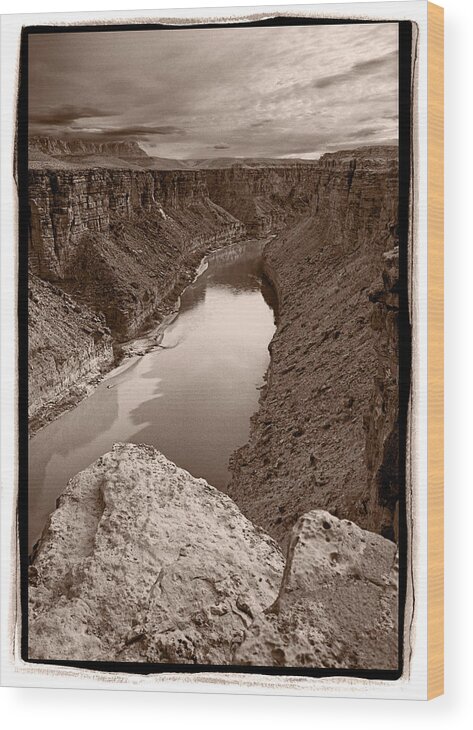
(59, 153)
(78, 147)
(54, 153)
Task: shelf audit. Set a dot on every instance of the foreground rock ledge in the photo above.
(142, 562)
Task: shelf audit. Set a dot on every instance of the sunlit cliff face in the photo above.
(243, 92)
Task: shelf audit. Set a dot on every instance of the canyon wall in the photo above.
(141, 562)
(68, 206)
(70, 346)
(123, 242)
(381, 420)
(308, 439)
(266, 199)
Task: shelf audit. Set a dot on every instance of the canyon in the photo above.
(124, 243)
(114, 240)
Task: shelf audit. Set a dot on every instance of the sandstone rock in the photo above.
(337, 605)
(143, 562)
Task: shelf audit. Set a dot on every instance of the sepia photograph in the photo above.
(215, 346)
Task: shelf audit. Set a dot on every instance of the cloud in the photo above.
(330, 80)
(362, 68)
(366, 132)
(118, 133)
(375, 64)
(268, 92)
(262, 123)
(140, 130)
(66, 114)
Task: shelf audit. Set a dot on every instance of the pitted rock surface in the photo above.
(143, 562)
(337, 605)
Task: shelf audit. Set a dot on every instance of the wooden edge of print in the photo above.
(435, 516)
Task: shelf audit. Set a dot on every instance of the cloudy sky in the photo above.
(243, 92)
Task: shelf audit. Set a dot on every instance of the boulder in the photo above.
(337, 605)
(143, 562)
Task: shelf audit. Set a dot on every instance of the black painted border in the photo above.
(405, 150)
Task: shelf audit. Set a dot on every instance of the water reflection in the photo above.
(192, 399)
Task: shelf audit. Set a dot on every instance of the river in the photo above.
(192, 397)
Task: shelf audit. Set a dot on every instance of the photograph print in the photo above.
(214, 346)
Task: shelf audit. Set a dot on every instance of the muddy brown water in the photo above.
(192, 397)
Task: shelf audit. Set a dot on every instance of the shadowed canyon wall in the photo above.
(381, 420)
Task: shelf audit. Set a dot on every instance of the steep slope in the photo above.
(69, 348)
(307, 442)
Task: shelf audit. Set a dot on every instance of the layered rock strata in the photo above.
(142, 562)
(307, 443)
(69, 209)
(265, 199)
(70, 346)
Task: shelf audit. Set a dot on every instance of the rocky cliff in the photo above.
(381, 419)
(142, 562)
(307, 442)
(69, 348)
(73, 147)
(66, 154)
(266, 199)
(68, 207)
